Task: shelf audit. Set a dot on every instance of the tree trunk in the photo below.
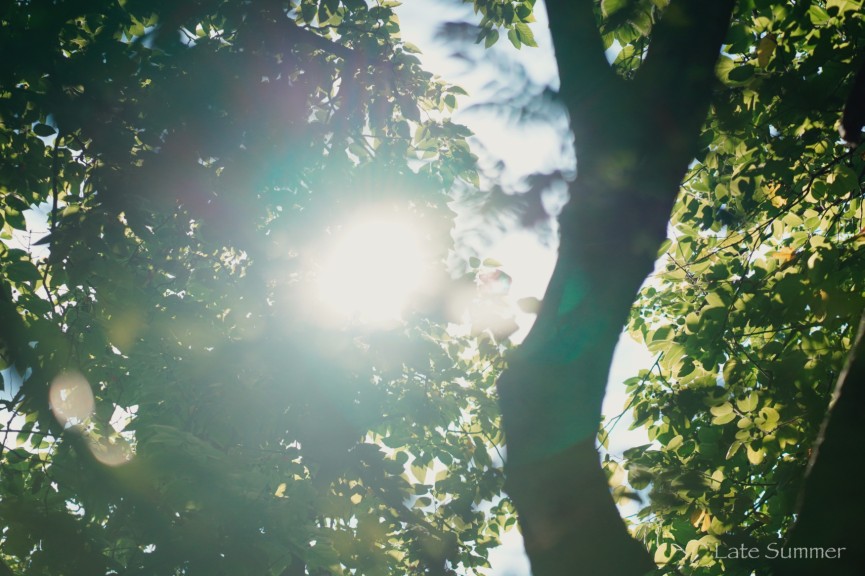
(634, 141)
(831, 507)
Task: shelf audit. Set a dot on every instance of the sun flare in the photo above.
(372, 271)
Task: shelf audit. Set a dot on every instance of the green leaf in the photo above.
(768, 419)
(610, 7)
(508, 14)
(525, 34)
(15, 218)
(741, 73)
(755, 455)
(514, 37)
(524, 13)
(842, 6)
(672, 356)
(748, 403)
(723, 414)
(22, 271)
(731, 451)
(419, 472)
(492, 36)
(44, 130)
(818, 15)
(765, 50)
(713, 300)
(725, 419)
(723, 67)
(308, 11)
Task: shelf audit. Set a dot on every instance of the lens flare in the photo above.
(110, 451)
(71, 399)
(373, 270)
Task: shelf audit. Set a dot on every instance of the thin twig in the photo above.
(55, 193)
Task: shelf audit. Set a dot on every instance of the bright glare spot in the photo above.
(115, 448)
(111, 451)
(373, 270)
(124, 328)
(71, 399)
(72, 403)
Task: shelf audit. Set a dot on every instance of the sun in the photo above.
(372, 270)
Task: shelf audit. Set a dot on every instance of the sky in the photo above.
(524, 256)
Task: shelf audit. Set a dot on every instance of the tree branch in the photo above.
(55, 198)
(588, 83)
(675, 82)
(634, 142)
(854, 110)
(318, 42)
(830, 510)
(611, 228)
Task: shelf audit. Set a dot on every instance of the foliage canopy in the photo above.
(185, 156)
(757, 294)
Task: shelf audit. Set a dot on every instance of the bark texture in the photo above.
(854, 110)
(634, 140)
(831, 508)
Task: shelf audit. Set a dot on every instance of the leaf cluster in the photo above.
(183, 157)
(757, 292)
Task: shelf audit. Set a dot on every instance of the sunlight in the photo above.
(372, 271)
(71, 399)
